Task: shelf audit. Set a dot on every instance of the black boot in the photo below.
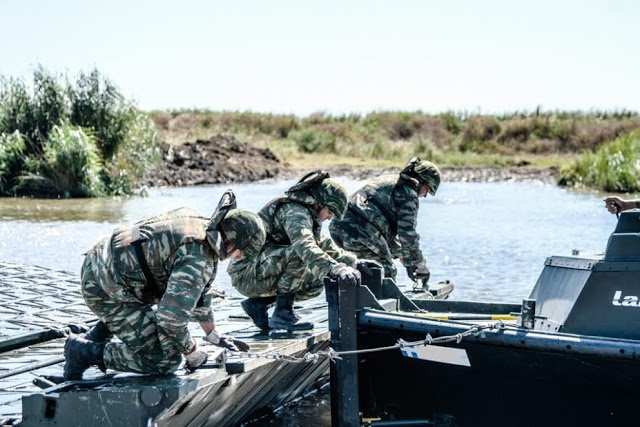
(80, 354)
(99, 333)
(256, 309)
(284, 317)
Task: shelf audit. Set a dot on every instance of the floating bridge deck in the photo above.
(39, 306)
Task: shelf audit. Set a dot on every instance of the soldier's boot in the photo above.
(256, 309)
(80, 354)
(99, 333)
(284, 318)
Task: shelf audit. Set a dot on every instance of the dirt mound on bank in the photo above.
(221, 160)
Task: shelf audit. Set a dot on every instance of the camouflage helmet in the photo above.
(425, 172)
(245, 231)
(328, 192)
(240, 227)
(331, 194)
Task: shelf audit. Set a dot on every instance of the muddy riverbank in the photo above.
(221, 160)
(225, 160)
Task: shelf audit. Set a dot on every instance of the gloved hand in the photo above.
(346, 274)
(419, 271)
(78, 328)
(226, 341)
(364, 266)
(195, 359)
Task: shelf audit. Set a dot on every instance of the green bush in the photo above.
(70, 166)
(68, 130)
(518, 130)
(50, 106)
(16, 109)
(313, 141)
(615, 166)
(95, 103)
(452, 122)
(140, 152)
(481, 128)
(12, 148)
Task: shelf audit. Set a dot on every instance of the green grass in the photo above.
(614, 167)
(387, 139)
(452, 138)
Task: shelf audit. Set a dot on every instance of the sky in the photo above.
(337, 57)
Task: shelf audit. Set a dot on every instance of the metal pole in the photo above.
(32, 366)
(345, 406)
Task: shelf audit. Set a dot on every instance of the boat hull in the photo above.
(504, 384)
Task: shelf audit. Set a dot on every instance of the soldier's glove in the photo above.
(78, 328)
(346, 274)
(420, 271)
(364, 266)
(195, 359)
(226, 341)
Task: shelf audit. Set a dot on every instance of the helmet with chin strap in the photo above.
(425, 172)
(327, 191)
(238, 227)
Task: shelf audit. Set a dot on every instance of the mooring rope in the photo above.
(476, 330)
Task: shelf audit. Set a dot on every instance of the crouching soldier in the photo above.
(296, 256)
(380, 223)
(169, 260)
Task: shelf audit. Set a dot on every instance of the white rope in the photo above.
(475, 330)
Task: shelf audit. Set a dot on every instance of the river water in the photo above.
(489, 239)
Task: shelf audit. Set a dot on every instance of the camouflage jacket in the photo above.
(182, 263)
(291, 220)
(391, 205)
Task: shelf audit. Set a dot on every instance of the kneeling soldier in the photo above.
(169, 260)
(296, 256)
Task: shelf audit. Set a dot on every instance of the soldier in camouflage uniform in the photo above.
(380, 222)
(296, 256)
(169, 260)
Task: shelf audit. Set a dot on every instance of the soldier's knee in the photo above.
(164, 366)
(172, 364)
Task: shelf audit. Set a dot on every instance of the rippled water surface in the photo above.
(489, 239)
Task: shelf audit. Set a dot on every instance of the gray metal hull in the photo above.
(547, 380)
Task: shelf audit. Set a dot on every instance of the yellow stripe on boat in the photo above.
(466, 316)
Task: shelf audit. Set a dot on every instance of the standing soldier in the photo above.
(380, 223)
(169, 260)
(296, 256)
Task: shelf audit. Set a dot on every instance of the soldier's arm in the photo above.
(191, 271)
(298, 225)
(396, 248)
(336, 252)
(204, 312)
(407, 204)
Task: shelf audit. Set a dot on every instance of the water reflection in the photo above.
(38, 210)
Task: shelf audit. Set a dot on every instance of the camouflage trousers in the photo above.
(365, 240)
(278, 269)
(145, 348)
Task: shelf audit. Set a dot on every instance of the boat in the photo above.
(569, 354)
